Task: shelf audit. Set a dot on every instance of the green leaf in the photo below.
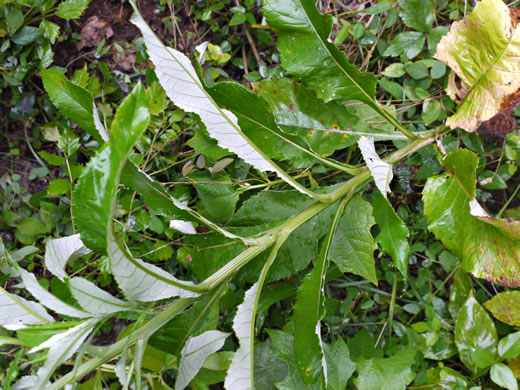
(503, 376)
(269, 369)
(394, 70)
(417, 70)
(74, 102)
(504, 307)
(309, 310)
(392, 373)
(474, 332)
(218, 195)
(182, 85)
(431, 111)
(353, 245)
(95, 192)
(339, 365)
(417, 14)
(409, 43)
(52, 159)
(195, 352)
(393, 235)
(461, 288)
(59, 187)
(72, 9)
(284, 344)
(26, 35)
(50, 30)
(489, 248)
(509, 346)
(483, 51)
(393, 88)
(14, 19)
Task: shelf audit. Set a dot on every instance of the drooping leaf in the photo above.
(95, 300)
(61, 250)
(240, 375)
(488, 247)
(308, 312)
(381, 171)
(393, 373)
(141, 281)
(339, 365)
(95, 192)
(483, 50)
(475, 336)
(74, 102)
(61, 347)
(196, 350)
(353, 245)
(393, 235)
(19, 312)
(47, 299)
(182, 85)
(504, 306)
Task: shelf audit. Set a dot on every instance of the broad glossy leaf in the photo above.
(381, 171)
(195, 352)
(74, 102)
(474, 333)
(61, 250)
(19, 312)
(49, 300)
(308, 312)
(240, 375)
(503, 376)
(61, 347)
(446, 378)
(353, 245)
(95, 300)
(417, 14)
(284, 345)
(393, 373)
(484, 52)
(488, 247)
(393, 235)
(95, 192)
(339, 365)
(461, 288)
(182, 85)
(509, 346)
(505, 307)
(141, 281)
(308, 55)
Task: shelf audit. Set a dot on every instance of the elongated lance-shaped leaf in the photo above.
(18, 312)
(309, 310)
(95, 300)
(95, 192)
(74, 102)
(141, 281)
(61, 347)
(195, 352)
(61, 250)
(182, 85)
(307, 53)
(381, 171)
(49, 300)
(240, 372)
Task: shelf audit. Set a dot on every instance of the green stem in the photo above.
(115, 349)
(504, 207)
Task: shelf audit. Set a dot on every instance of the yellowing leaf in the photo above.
(484, 52)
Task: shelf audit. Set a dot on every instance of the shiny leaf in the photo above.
(417, 14)
(461, 288)
(474, 333)
(488, 247)
(393, 235)
(503, 376)
(484, 52)
(509, 346)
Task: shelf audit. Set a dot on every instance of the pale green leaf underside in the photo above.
(182, 85)
(195, 352)
(381, 171)
(484, 51)
(95, 300)
(61, 250)
(18, 312)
